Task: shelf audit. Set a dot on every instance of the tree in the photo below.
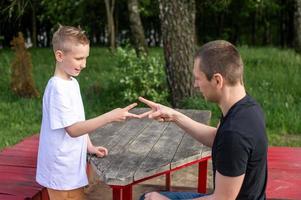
(110, 5)
(20, 7)
(137, 30)
(297, 24)
(178, 33)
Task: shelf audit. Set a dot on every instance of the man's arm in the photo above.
(201, 132)
(83, 127)
(226, 188)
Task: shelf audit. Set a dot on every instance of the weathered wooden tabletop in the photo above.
(139, 148)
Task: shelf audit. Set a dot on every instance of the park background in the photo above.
(135, 45)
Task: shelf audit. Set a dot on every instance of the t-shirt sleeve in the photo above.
(62, 112)
(233, 153)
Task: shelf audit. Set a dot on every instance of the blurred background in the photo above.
(144, 47)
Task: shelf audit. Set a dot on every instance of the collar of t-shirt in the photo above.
(245, 101)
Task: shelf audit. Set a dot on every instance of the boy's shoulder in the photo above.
(60, 86)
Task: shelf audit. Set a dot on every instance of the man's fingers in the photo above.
(155, 114)
(147, 102)
(129, 107)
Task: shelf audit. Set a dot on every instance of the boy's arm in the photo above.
(99, 151)
(201, 132)
(83, 127)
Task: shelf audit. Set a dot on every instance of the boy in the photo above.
(64, 141)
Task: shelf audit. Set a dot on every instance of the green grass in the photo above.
(272, 76)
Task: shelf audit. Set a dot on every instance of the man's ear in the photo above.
(219, 80)
(59, 55)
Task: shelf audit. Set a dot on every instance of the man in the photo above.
(239, 143)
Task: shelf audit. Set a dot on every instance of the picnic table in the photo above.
(140, 149)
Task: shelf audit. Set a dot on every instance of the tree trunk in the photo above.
(34, 25)
(110, 4)
(297, 25)
(137, 30)
(178, 31)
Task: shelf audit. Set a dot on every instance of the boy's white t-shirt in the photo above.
(61, 159)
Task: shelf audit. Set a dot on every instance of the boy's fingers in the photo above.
(105, 151)
(132, 115)
(147, 102)
(142, 115)
(129, 107)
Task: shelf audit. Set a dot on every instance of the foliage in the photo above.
(141, 76)
(64, 12)
(272, 77)
(21, 78)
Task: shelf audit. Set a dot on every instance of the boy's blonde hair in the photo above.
(66, 35)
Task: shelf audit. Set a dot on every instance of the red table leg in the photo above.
(202, 180)
(167, 181)
(127, 193)
(117, 192)
(122, 192)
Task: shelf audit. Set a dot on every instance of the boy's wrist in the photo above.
(108, 118)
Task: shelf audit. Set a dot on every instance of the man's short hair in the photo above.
(222, 57)
(67, 35)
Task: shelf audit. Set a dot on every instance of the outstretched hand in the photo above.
(121, 114)
(158, 112)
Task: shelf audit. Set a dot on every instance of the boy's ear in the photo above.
(58, 55)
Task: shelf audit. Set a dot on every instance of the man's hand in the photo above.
(155, 196)
(158, 112)
(121, 114)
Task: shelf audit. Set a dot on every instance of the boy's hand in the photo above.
(158, 112)
(121, 114)
(99, 151)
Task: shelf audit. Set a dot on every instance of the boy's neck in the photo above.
(61, 74)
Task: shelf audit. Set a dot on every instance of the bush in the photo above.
(22, 82)
(141, 76)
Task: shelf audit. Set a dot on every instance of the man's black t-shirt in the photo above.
(240, 147)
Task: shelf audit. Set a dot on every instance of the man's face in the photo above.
(201, 82)
(74, 60)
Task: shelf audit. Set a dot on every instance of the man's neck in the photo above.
(232, 94)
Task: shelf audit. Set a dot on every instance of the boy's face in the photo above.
(71, 62)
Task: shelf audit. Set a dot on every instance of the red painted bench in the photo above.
(18, 168)
(284, 178)
(17, 172)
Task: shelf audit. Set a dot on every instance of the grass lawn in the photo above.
(272, 76)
